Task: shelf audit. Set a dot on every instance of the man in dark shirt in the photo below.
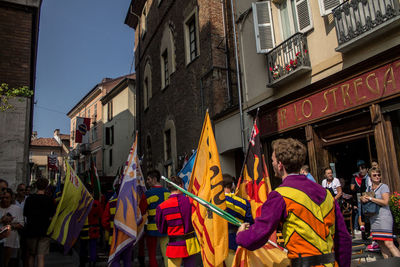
(38, 210)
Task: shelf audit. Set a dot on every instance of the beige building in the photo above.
(90, 106)
(119, 109)
(41, 149)
(325, 72)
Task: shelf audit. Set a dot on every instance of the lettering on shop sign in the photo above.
(368, 87)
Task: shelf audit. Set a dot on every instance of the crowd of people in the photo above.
(308, 215)
(24, 219)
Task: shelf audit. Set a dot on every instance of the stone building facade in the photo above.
(185, 66)
(19, 25)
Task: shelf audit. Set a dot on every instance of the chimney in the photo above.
(57, 136)
(34, 135)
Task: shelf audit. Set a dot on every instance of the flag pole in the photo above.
(206, 204)
(245, 158)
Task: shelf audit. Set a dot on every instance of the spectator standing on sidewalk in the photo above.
(39, 209)
(11, 214)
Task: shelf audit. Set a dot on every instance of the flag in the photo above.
(254, 185)
(206, 183)
(128, 221)
(82, 128)
(72, 211)
(94, 180)
(52, 162)
(186, 171)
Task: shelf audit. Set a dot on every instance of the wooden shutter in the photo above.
(326, 6)
(304, 16)
(263, 28)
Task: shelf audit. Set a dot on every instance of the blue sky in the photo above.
(80, 43)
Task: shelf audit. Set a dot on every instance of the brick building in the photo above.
(184, 64)
(19, 25)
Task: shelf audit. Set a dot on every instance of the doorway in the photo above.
(343, 157)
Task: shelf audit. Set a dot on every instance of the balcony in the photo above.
(84, 149)
(288, 60)
(359, 21)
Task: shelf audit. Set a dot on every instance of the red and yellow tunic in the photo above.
(173, 217)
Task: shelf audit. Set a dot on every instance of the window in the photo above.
(326, 6)
(167, 135)
(191, 37)
(110, 135)
(110, 157)
(295, 16)
(95, 113)
(94, 133)
(109, 111)
(164, 69)
(143, 23)
(147, 89)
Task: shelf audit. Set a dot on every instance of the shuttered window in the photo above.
(326, 6)
(303, 13)
(263, 26)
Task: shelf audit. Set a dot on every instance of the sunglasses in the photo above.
(376, 175)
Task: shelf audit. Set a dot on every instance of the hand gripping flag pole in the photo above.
(206, 204)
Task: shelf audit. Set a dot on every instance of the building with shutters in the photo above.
(119, 115)
(91, 148)
(327, 73)
(185, 64)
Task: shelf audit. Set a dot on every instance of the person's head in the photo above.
(228, 182)
(21, 190)
(375, 174)
(3, 185)
(153, 177)
(374, 164)
(176, 180)
(328, 173)
(28, 190)
(362, 167)
(288, 156)
(41, 184)
(7, 198)
(305, 169)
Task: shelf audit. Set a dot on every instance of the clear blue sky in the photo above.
(80, 43)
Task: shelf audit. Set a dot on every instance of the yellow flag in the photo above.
(72, 211)
(206, 183)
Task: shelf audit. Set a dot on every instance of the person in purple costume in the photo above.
(312, 224)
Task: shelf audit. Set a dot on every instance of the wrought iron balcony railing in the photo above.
(355, 19)
(287, 59)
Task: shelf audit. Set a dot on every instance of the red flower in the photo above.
(270, 68)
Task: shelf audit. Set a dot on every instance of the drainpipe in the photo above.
(138, 84)
(238, 79)
(227, 59)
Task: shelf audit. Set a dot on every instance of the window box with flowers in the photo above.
(288, 60)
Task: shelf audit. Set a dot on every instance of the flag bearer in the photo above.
(173, 217)
(239, 208)
(150, 200)
(313, 227)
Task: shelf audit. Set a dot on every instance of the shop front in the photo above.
(356, 118)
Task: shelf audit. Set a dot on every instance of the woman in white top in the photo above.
(332, 184)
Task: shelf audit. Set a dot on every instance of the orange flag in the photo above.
(206, 183)
(254, 185)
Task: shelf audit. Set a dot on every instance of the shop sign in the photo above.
(368, 87)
